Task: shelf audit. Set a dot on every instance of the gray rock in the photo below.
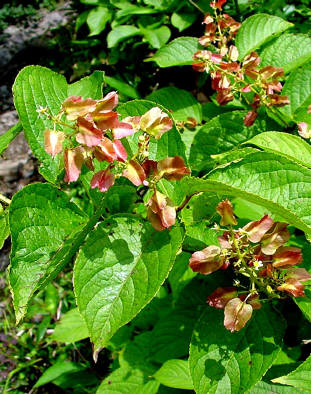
(17, 158)
(17, 38)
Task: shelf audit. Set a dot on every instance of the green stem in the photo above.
(60, 122)
(276, 111)
(237, 8)
(249, 271)
(12, 373)
(4, 199)
(196, 6)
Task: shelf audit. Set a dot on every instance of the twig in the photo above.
(185, 202)
(196, 6)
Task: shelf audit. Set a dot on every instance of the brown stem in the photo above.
(185, 202)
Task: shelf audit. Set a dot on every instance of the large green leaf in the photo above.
(181, 274)
(266, 388)
(176, 374)
(71, 328)
(178, 52)
(121, 33)
(219, 135)
(136, 354)
(122, 87)
(97, 20)
(182, 103)
(170, 144)
(224, 362)
(183, 20)
(288, 51)
(59, 369)
(304, 303)
(257, 30)
(37, 87)
(266, 179)
(127, 381)
(157, 37)
(171, 335)
(300, 378)
(298, 89)
(91, 86)
(287, 145)
(46, 230)
(8, 137)
(119, 270)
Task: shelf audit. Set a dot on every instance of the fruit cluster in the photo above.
(256, 252)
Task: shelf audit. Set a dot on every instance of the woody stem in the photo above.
(185, 202)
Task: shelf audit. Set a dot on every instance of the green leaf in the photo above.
(157, 37)
(198, 235)
(183, 20)
(131, 9)
(298, 89)
(181, 274)
(36, 87)
(272, 181)
(176, 374)
(33, 88)
(178, 52)
(126, 381)
(4, 226)
(159, 306)
(266, 388)
(290, 146)
(71, 328)
(57, 370)
(172, 333)
(121, 33)
(136, 354)
(257, 30)
(222, 362)
(170, 143)
(304, 303)
(91, 86)
(46, 230)
(97, 20)
(288, 51)
(211, 109)
(122, 87)
(8, 136)
(182, 103)
(120, 198)
(219, 135)
(119, 270)
(300, 378)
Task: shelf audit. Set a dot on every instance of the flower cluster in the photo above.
(96, 133)
(255, 252)
(303, 128)
(230, 77)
